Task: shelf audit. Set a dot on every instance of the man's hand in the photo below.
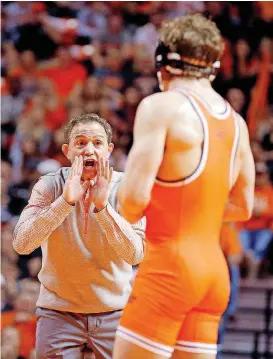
(74, 190)
(99, 192)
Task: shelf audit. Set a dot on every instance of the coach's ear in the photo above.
(65, 150)
(110, 149)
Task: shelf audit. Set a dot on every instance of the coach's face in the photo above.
(88, 140)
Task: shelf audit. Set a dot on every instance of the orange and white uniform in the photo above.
(182, 287)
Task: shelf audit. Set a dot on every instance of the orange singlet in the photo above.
(182, 287)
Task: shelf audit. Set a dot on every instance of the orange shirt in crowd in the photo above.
(4, 87)
(65, 78)
(63, 81)
(266, 9)
(227, 60)
(263, 209)
(229, 240)
(27, 331)
(21, 72)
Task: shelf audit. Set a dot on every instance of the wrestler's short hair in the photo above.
(87, 118)
(190, 45)
(193, 36)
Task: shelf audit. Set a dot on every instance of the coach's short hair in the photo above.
(87, 118)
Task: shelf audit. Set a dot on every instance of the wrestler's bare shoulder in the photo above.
(165, 98)
(165, 103)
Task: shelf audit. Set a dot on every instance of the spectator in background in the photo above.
(118, 159)
(92, 90)
(247, 64)
(13, 103)
(257, 232)
(6, 245)
(10, 343)
(181, 8)
(27, 266)
(147, 36)
(133, 15)
(5, 300)
(66, 79)
(10, 58)
(10, 275)
(110, 74)
(144, 73)
(257, 152)
(29, 72)
(17, 13)
(114, 33)
(30, 286)
(6, 171)
(213, 9)
(267, 144)
(93, 19)
(63, 9)
(132, 97)
(32, 33)
(23, 319)
(25, 154)
(236, 98)
(48, 166)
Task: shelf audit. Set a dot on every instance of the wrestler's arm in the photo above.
(145, 157)
(241, 198)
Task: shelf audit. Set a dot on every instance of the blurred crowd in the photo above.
(61, 59)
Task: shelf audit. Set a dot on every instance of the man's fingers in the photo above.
(103, 167)
(106, 169)
(110, 174)
(74, 166)
(77, 166)
(77, 170)
(99, 167)
(80, 166)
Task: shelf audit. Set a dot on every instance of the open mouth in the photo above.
(90, 164)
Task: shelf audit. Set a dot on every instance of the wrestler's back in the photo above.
(200, 164)
(185, 137)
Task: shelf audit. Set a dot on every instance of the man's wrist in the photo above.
(100, 207)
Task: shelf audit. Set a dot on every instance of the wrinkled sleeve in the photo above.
(40, 218)
(127, 240)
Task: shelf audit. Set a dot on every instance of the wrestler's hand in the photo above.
(100, 190)
(74, 190)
